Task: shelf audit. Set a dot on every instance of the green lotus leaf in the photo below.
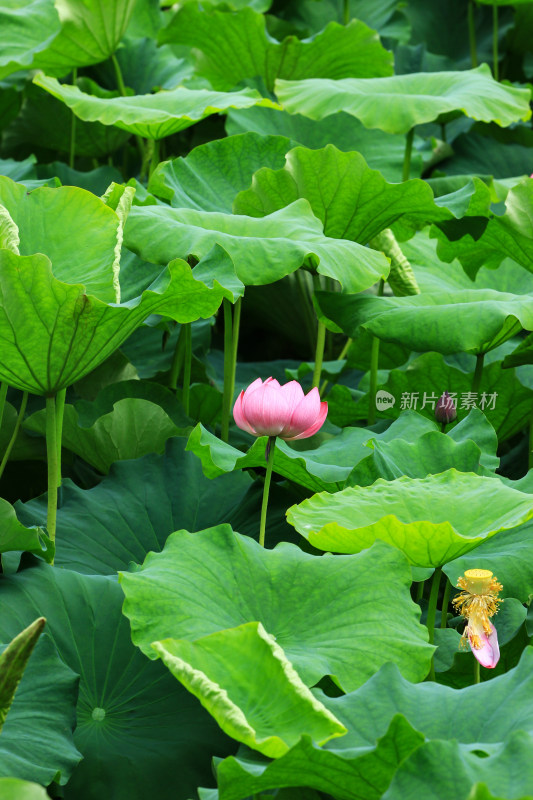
(408, 100)
(434, 452)
(383, 151)
(509, 557)
(15, 536)
(133, 510)
(43, 215)
(132, 429)
(468, 320)
(507, 235)
(36, 743)
(504, 400)
(440, 770)
(27, 26)
(16, 789)
(211, 175)
(135, 724)
(431, 520)
(281, 588)
(262, 250)
(351, 200)
(269, 715)
(90, 33)
(324, 468)
(153, 116)
(353, 773)
(44, 124)
(13, 662)
(73, 332)
(236, 46)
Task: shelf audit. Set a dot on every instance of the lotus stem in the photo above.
(51, 455)
(443, 427)
(420, 591)
(472, 34)
(477, 671)
(72, 151)
(319, 353)
(229, 370)
(177, 363)
(14, 435)
(374, 365)
(478, 372)
(495, 57)
(407, 154)
(341, 355)
(445, 602)
(346, 12)
(432, 609)
(3, 395)
(310, 318)
(270, 450)
(530, 455)
(154, 157)
(187, 365)
(122, 89)
(60, 411)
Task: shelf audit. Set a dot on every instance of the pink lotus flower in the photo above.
(268, 409)
(484, 647)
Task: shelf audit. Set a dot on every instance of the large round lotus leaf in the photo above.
(15, 536)
(153, 116)
(135, 508)
(398, 103)
(432, 520)
(27, 27)
(90, 33)
(136, 726)
(54, 333)
(508, 235)
(76, 230)
(36, 741)
(236, 46)
(15, 789)
(270, 714)
(460, 321)
(218, 579)
(352, 201)
(263, 250)
(211, 175)
(390, 710)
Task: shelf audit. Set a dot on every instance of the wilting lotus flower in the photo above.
(477, 603)
(446, 409)
(268, 409)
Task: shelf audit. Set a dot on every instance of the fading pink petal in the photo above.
(317, 424)
(488, 654)
(239, 417)
(266, 409)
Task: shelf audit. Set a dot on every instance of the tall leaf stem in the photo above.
(14, 435)
(407, 154)
(445, 602)
(187, 365)
(270, 450)
(154, 156)
(228, 355)
(478, 372)
(530, 456)
(60, 412)
(495, 56)
(51, 455)
(177, 362)
(341, 355)
(432, 609)
(320, 343)
(3, 395)
(374, 365)
(472, 34)
(122, 89)
(477, 671)
(72, 149)
(346, 12)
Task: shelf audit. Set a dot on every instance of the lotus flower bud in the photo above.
(446, 409)
(268, 409)
(477, 603)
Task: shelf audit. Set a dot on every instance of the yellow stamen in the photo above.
(477, 603)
